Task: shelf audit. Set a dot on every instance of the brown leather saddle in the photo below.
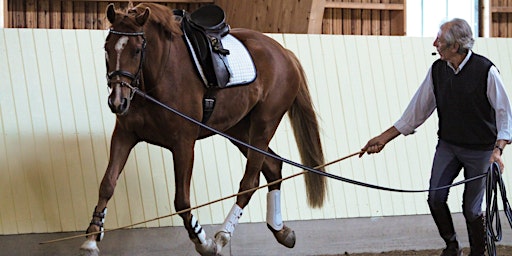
(203, 30)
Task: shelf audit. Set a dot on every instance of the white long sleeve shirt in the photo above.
(423, 103)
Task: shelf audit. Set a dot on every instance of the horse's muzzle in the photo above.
(119, 107)
(119, 99)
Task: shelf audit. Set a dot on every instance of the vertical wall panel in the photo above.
(35, 146)
(56, 130)
(8, 149)
(387, 104)
(49, 194)
(331, 108)
(21, 136)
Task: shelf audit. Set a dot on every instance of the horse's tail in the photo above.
(306, 131)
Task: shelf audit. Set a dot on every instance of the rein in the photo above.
(134, 89)
(493, 175)
(290, 162)
(492, 184)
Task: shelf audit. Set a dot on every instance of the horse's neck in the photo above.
(158, 59)
(170, 60)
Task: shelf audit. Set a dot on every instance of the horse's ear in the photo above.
(142, 18)
(111, 13)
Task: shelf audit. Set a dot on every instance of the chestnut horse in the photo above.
(145, 49)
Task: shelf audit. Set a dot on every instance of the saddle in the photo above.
(203, 30)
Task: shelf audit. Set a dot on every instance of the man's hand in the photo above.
(496, 154)
(376, 144)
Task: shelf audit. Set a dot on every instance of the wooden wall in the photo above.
(341, 17)
(71, 14)
(500, 13)
(364, 17)
(55, 128)
(349, 17)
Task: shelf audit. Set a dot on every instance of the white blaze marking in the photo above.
(121, 43)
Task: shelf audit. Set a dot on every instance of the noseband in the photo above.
(134, 78)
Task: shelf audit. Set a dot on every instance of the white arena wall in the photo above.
(56, 129)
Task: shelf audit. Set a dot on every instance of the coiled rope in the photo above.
(492, 216)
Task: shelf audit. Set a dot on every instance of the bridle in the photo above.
(134, 78)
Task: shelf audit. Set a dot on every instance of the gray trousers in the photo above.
(448, 162)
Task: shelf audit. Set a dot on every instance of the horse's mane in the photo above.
(160, 15)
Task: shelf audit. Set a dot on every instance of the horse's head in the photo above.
(124, 54)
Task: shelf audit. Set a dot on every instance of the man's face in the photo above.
(445, 50)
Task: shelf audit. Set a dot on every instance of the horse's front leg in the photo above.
(183, 156)
(120, 148)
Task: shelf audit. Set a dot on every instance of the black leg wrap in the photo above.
(99, 223)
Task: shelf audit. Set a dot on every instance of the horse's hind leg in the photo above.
(120, 148)
(284, 235)
(271, 169)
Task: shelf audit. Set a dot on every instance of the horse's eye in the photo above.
(137, 51)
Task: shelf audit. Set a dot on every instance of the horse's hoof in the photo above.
(285, 236)
(89, 248)
(209, 248)
(222, 239)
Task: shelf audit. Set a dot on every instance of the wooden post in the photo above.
(316, 14)
(3, 10)
(484, 18)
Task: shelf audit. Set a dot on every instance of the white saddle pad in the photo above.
(241, 67)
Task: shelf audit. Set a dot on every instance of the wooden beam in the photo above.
(161, 1)
(316, 15)
(483, 18)
(501, 9)
(371, 6)
(4, 13)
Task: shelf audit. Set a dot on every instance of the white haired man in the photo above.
(474, 127)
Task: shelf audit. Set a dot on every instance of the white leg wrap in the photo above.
(274, 217)
(232, 220)
(201, 235)
(90, 245)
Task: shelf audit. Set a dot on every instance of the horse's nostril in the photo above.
(110, 104)
(124, 104)
(118, 106)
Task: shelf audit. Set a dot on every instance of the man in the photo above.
(474, 127)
